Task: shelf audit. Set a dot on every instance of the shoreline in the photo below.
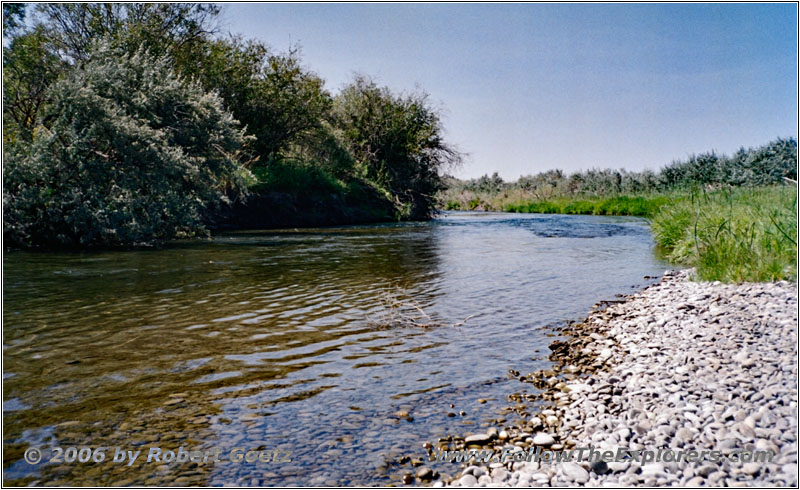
(679, 365)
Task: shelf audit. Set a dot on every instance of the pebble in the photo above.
(478, 439)
(468, 481)
(424, 473)
(543, 439)
(600, 467)
(751, 468)
(476, 471)
(575, 472)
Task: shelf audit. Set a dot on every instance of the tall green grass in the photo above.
(732, 235)
(645, 206)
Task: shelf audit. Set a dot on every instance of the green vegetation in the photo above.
(646, 206)
(732, 235)
(122, 161)
(193, 131)
(733, 218)
(397, 142)
(767, 165)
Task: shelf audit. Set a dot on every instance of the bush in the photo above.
(396, 143)
(753, 167)
(133, 155)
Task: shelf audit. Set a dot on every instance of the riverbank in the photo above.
(736, 234)
(296, 208)
(681, 365)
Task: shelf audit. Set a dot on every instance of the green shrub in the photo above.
(133, 155)
(579, 207)
(543, 207)
(296, 178)
(396, 142)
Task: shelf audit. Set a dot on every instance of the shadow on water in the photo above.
(262, 340)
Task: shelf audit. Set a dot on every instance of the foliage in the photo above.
(30, 66)
(396, 142)
(101, 156)
(133, 154)
(297, 177)
(63, 38)
(278, 100)
(645, 206)
(733, 235)
(161, 28)
(767, 165)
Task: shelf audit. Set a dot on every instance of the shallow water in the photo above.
(284, 340)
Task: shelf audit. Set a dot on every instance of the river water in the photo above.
(312, 342)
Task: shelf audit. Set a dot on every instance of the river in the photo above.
(293, 340)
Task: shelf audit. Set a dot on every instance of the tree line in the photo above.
(768, 164)
(133, 123)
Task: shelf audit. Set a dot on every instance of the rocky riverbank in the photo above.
(681, 365)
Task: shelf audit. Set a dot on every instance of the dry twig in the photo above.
(401, 309)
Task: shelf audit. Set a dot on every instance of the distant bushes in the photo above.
(766, 165)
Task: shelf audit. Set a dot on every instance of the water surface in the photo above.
(286, 340)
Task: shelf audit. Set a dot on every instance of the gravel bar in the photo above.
(682, 365)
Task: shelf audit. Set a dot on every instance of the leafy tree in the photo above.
(134, 154)
(162, 28)
(766, 165)
(13, 18)
(33, 59)
(29, 68)
(396, 142)
(279, 101)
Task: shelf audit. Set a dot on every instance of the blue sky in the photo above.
(529, 87)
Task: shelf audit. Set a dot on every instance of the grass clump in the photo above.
(732, 235)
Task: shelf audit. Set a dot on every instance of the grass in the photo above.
(296, 177)
(730, 235)
(645, 206)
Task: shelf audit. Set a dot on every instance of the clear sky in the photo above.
(529, 87)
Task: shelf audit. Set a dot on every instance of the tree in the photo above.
(13, 18)
(29, 68)
(161, 28)
(279, 101)
(35, 58)
(133, 155)
(396, 142)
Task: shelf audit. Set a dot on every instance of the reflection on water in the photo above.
(263, 340)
